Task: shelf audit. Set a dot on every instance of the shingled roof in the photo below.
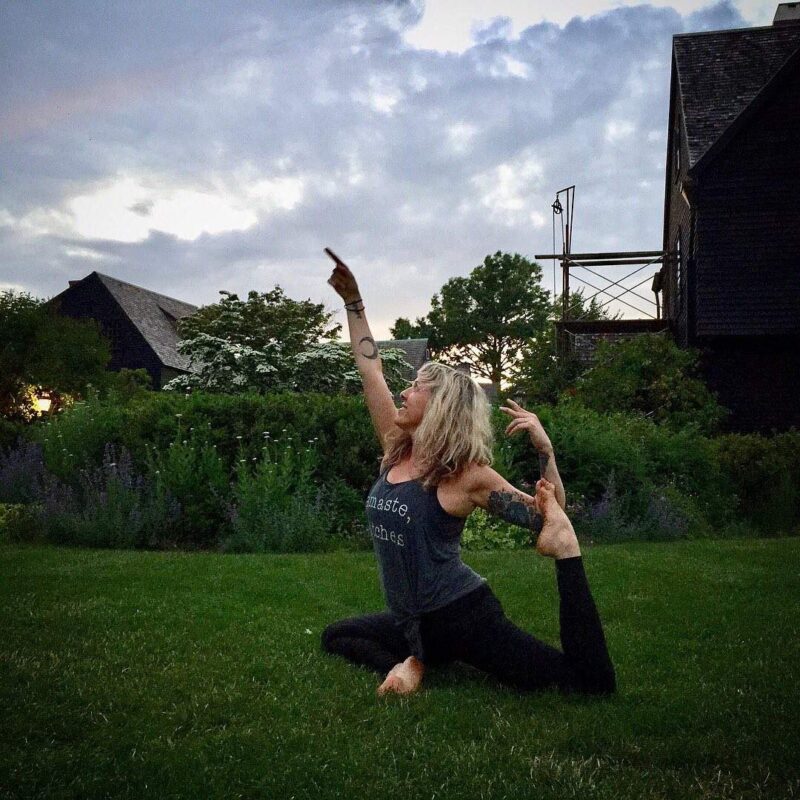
(722, 72)
(154, 315)
(416, 350)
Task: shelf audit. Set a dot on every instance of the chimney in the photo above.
(787, 14)
(73, 283)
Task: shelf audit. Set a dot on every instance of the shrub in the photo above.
(18, 523)
(10, 431)
(650, 375)
(190, 471)
(626, 477)
(79, 435)
(21, 473)
(346, 442)
(117, 507)
(484, 532)
(276, 506)
(616, 467)
(764, 475)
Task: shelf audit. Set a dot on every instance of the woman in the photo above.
(435, 472)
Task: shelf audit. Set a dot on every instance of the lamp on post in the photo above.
(43, 401)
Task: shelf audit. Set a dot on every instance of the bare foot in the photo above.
(404, 678)
(557, 538)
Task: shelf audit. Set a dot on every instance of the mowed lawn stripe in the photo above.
(135, 674)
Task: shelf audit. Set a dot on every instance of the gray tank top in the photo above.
(417, 544)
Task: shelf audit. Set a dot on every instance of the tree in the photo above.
(486, 318)
(261, 319)
(543, 374)
(403, 328)
(650, 375)
(269, 343)
(40, 348)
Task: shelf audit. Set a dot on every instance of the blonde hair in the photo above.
(455, 430)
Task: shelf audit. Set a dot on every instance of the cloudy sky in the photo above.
(190, 147)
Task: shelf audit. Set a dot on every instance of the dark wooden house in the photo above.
(731, 282)
(141, 325)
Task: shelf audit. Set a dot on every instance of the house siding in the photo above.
(755, 378)
(740, 239)
(748, 226)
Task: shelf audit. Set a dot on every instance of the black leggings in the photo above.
(474, 629)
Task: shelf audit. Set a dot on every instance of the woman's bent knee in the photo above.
(328, 638)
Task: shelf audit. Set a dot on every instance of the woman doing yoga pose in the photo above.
(435, 472)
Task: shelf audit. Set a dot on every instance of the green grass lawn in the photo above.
(130, 674)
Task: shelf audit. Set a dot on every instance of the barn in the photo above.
(140, 324)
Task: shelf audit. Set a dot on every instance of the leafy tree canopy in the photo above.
(271, 342)
(263, 318)
(40, 348)
(485, 318)
(419, 329)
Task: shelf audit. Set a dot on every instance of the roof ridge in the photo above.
(415, 339)
(144, 289)
(726, 30)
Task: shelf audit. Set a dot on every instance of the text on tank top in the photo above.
(417, 545)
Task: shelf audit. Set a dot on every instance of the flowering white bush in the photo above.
(329, 367)
(224, 366)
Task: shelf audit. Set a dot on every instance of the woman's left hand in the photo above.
(527, 421)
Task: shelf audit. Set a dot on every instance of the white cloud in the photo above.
(460, 136)
(381, 95)
(618, 129)
(448, 25)
(253, 136)
(507, 190)
(88, 254)
(505, 66)
(273, 194)
(128, 209)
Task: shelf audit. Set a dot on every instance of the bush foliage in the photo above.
(289, 472)
(650, 375)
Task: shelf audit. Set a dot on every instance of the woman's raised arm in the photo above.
(381, 406)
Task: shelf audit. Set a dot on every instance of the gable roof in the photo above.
(721, 73)
(154, 315)
(416, 350)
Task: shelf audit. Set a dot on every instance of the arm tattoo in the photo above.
(512, 508)
(370, 342)
(544, 460)
(356, 311)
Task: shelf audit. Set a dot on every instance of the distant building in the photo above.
(141, 325)
(416, 352)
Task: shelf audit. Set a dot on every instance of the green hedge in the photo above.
(210, 460)
(339, 426)
(763, 474)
